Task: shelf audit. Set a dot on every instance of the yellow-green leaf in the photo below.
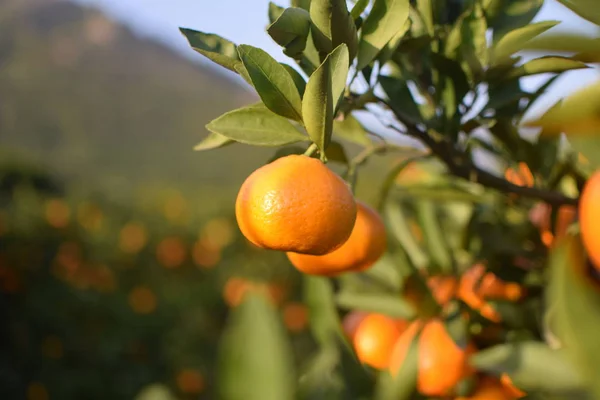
(351, 129)
(332, 26)
(213, 47)
(542, 65)
(290, 30)
(517, 39)
(213, 141)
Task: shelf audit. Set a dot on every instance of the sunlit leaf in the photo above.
(517, 39)
(256, 126)
(586, 9)
(359, 7)
(385, 20)
(290, 30)
(332, 26)
(324, 91)
(244, 372)
(542, 65)
(298, 79)
(273, 83)
(213, 141)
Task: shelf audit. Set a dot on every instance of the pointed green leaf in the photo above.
(351, 129)
(586, 9)
(390, 48)
(275, 11)
(579, 114)
(213, 47)
(297, 78)
(516, 40)
(290, 30)
(542, 65)
(507, 15)
(273, 83)
(324, 91)
(403, 385)
(532, 366)
(213, 141)
(304, 4)
(387, 304)
(256, 126)
(401, 99)
(332, 26)
(385, 20)
(575, 300)
(359, 7)
(336, 153)
(243, 72)
(255, 357)
(434, 237)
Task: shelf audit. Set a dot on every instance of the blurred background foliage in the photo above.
(119, 253)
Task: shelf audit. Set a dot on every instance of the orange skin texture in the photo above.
(374, 339)
(490, 389)
(589, 218)
(364, 247)
(296, 204)
(442, 364)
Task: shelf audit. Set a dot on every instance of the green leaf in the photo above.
(304, 4)
(335, 152)
(332, 26)
(275, 11)
(324, 91)
(401, 99)
(579, 114)
(575, 301)
(359, 7)
(390, 48)
(213, 47)
(244, 372)
(566, 42)
(291, 30)
(387, 304)
(588, 146)
(532, 366)
(456, 86)
(400, 229)
(507, 15)
(256, 126)
(213, 141)
(542, 65)
(325, 322)
(516, 40)
(434, 236)
(297, 78)
(586, 9)
(386, 19)
(403, 385)
(351, 130)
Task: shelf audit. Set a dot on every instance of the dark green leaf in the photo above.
(304, 4)
(275, 11)
(386, 19)
(542, 65)
(456, 86)
(310, 59)
(298, 79)
(244, 371)
(256, 126)
(290, 30)
(273, 83)
(351, 129)
(401, 99)
(332, 26)
(359, 7)
(403, 385)
(586, 9)
(517, 39)
(213, 47)
(335, 152)
(533, 366)
(566, 42)
(213, 141)
(387, 304)
(575, 300)
(324, 91)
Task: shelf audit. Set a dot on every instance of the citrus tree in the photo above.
(474, 274)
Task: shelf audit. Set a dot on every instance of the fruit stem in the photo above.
(311, 150)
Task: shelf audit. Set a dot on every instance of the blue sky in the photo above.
(244, 21)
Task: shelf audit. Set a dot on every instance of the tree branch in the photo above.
(462, 166)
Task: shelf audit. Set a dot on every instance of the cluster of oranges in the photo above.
(297, 205)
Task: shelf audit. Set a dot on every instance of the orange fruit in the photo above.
(510, 388)
(374, 339)
(351, 322)
(296, 204)
(589, 216)
(443, 288)
(364, 247)
(489, 389)
(521, 176)
(441, 362)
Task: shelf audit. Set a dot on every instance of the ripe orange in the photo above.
(589, 215)
(441, 362)
(443, 288)
(374, 339)
(490, 389)
(296, 204)
(364, 247)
